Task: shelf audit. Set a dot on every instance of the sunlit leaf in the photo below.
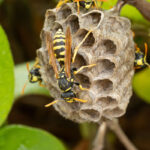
(18, 137)
(6, 77)
(21, 76)
(141, 84)
(128, 11)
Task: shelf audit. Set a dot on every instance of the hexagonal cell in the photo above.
(116, 112)
(50, 19)
(83, 80)
(64, 12)
(73, 22)
(104, 85)
(104, 67)
(91, 19)
(106, 101)
(80, 61)
(90, 40)
(90, 114)
(110, 47)
(56, 26)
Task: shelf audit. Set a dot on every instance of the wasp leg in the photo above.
(83, 89)
(38, 66)
(22, 92)
(70, 101)
(61, 2)
(80, 86)
(80, 100)
(81, 68)
(54, 102)
(40, 84)
(146, 49)
(77, 47)
(36, 62)
(137, 67)
(95, 4)
(78, 6)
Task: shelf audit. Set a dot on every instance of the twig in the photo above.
(99, 140)
(115, 127)
(142, 5)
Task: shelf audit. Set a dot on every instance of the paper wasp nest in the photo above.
(110, 46)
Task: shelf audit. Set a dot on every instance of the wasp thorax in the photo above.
(110, 46)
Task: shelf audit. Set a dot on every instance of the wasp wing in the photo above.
(68, 52)
(52, 58)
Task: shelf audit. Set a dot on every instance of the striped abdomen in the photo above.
(59, 46)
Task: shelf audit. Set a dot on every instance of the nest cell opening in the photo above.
(64, 12)
(80, 61)
(116, 112)
(106, 101)
(105, 86)
(73, 22)
(83, 80)
(56, 27)
(105, 66)
(90, 114)
(90, 40)
(50, 19)
(92, 19)
(110, 47)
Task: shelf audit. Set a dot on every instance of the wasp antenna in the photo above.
(146, 49)
(22, 92)
(27, 65)
(53, 102)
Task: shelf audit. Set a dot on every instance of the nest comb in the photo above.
(110, 46)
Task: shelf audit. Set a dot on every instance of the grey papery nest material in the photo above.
(110, 46)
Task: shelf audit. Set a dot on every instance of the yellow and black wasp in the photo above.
(87, 4)
(59, 50)
(34, 74)
(140, 58)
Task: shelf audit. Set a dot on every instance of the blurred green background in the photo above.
(22, 21)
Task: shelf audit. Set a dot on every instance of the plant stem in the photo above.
(115, 127)
(99, 140)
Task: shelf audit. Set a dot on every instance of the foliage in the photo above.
(135, 16)
(1, 1)
(141, 84)
(21, 76)
(6, 77)
(18, 137)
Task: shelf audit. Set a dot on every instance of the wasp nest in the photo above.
(110, 46)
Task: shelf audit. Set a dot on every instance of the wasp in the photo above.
(59, 50)
(34, 74)
(87, 4)
(140, 58)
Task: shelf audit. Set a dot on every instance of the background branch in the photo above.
(115, 127)
(142, 5)
(99, 140)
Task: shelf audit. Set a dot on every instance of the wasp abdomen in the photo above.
(68, 95)
(59, 46)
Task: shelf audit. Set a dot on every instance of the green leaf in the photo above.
(128, 11)
(1, 1)
(18, 137)
(141, 84)
(21, 77)
(6, 77)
